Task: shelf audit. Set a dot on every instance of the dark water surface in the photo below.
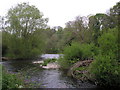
(44, 78)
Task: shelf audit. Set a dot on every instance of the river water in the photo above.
(44, 78)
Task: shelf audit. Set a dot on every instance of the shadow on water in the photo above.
(44, 78)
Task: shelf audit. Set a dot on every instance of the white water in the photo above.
(51, 56)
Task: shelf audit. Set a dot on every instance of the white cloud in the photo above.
(61, 11)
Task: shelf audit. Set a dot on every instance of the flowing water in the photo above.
(44, 78)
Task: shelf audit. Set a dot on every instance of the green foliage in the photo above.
(88, 51)
(46, 61)
(105, 71)
(108, 42)
(114, 15)
(53, 40)
(105, 68)
(5, 42)
(0, 76)
(22, 34)
(73, 52)
(79, 51)
(76, 52)
(24, 19)
(26, 35)
(0, 43)
(64, 63)
(20, 48)
(10, 81)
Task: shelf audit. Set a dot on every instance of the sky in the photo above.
(61, 11)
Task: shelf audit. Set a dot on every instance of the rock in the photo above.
(51, 66)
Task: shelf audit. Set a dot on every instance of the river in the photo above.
(44, 78)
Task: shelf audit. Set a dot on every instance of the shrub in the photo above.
(105, 70)
(73, 52)
(108, 42)
(10, 81)
(64, 63)
(76, 52)
(79, 51)
(88, 51)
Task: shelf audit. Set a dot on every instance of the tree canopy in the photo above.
(22, 23)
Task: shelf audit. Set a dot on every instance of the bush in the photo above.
(64, 63)
(105, 71)
(108, 42)
(76, 52)
(88, 51)
(79, 51)
(73, 52)
(10, 81)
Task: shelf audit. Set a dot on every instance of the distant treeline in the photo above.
(25, 32)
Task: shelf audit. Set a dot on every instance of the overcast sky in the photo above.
(61, 11)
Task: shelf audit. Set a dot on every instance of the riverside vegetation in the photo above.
(10, 80)
(90, 44)
(105, 67)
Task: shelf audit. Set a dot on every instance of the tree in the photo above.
(0, 43)
(23, 21)
(97, 24)
(115, 15)
(77, 30)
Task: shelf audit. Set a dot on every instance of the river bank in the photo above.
(78, 71)
(38, 77)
